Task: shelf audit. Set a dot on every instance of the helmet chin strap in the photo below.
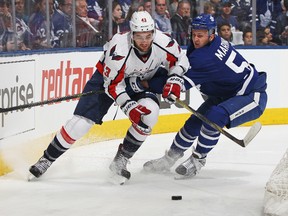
(134, 47)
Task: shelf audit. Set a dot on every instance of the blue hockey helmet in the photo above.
(205, 22)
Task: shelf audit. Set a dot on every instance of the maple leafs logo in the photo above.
(114, 54)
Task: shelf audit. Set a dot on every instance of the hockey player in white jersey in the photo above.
(129, 57)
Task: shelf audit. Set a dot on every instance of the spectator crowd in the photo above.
(42, 24)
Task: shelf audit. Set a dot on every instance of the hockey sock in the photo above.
(60, 144)
(207, 139)
(187, 134)
(209, 136)
(130, 145)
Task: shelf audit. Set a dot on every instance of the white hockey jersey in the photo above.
(120, 60)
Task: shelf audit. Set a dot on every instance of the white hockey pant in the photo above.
(74, 129)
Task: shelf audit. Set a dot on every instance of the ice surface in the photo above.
(231, 184)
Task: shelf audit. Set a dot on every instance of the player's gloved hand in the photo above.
(134, 85)
(172, 87)
(135, 111)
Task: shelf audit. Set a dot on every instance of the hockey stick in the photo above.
(253, 131)
(39, 103)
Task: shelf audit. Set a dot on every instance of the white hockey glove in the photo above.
(135, 111)
(173, 86)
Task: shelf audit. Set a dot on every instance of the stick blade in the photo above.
(254, 130)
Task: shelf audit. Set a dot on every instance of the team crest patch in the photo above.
(114, 54)
(171, 43)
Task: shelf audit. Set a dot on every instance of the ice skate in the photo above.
(164, 163)
(119, 167)
(190, 167)
(39, 168)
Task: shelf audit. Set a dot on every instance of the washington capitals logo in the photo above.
(114, 54)
(171, 43)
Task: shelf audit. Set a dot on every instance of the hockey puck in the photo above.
(176, 197)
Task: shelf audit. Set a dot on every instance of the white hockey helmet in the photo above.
(141, 21)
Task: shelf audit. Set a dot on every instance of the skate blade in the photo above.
(156, 172)
(147, 169)
(31, 177)
(117, 179)
(183, 177)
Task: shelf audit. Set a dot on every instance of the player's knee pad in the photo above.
(78, 126)
(218, 115)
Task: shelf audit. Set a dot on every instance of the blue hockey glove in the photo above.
(133, 85)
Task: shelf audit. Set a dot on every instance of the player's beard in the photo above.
(143, 49)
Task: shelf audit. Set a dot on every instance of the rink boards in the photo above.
(38, 77)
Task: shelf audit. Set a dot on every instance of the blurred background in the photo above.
(56, 24)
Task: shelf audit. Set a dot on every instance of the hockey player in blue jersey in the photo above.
(234, 92)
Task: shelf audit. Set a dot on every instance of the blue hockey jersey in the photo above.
(218, 70)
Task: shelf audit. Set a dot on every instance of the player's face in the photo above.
(200, 38)
(143, 40)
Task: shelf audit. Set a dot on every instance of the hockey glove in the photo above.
(173, 86)
(133, 85)
(135, 112)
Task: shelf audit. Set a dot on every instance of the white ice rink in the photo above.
(231, 184)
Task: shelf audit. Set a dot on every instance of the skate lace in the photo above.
(168, 160)
(122, 162)
(160, 162)
(194, 163)
(165, 162)
(43, 164)
(198, 163)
